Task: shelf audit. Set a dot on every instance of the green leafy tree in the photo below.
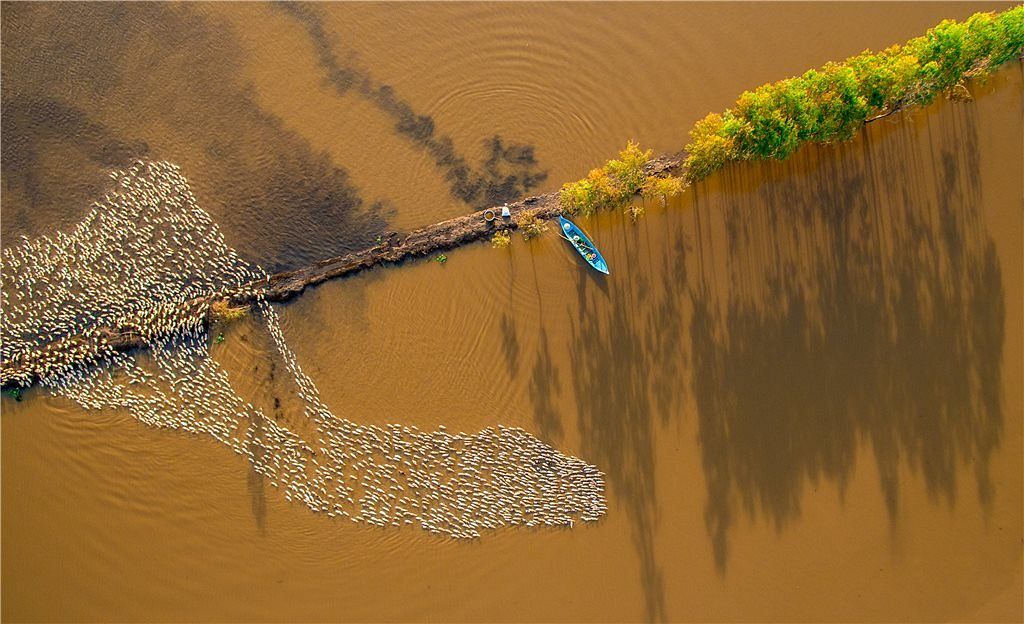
(831, 103)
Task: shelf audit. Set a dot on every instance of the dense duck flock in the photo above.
(144, 250)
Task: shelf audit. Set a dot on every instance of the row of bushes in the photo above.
(825, 105)
(615, 184)
(830, 104)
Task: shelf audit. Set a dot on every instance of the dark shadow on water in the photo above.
(510, 343)
(510, 346)
(545, 386)
(39, 130)
(664, 335)
(624, 328)
(859, 299)
(88, 87)
(506, 172)
(256, 482)
(847, 299)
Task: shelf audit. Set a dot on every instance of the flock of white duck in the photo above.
(145, 249)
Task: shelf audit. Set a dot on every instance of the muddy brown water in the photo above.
(802, 379)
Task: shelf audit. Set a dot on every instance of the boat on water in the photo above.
(582, 244)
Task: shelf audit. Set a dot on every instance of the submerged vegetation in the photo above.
(830, 104)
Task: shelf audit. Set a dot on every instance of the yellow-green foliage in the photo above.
(529, 225)
(627, 171)
(831, 103)
(662, 188)
(501, 239)
(222, 311)
(635, 211)
(611, 186)
(532, 228)
(711, 146)
(654, 187)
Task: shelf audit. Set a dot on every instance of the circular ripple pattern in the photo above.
(144, 250)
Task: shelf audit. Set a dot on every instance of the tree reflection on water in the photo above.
(862, 302)
(848, 297)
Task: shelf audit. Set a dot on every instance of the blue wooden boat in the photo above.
(582, 243)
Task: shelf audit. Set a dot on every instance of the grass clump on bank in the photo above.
(830, 104)
(223, 312)
(661, 188)
(615, 184)
(501, 239)
(529, 224)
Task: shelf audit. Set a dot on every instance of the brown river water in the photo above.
(802, 380)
